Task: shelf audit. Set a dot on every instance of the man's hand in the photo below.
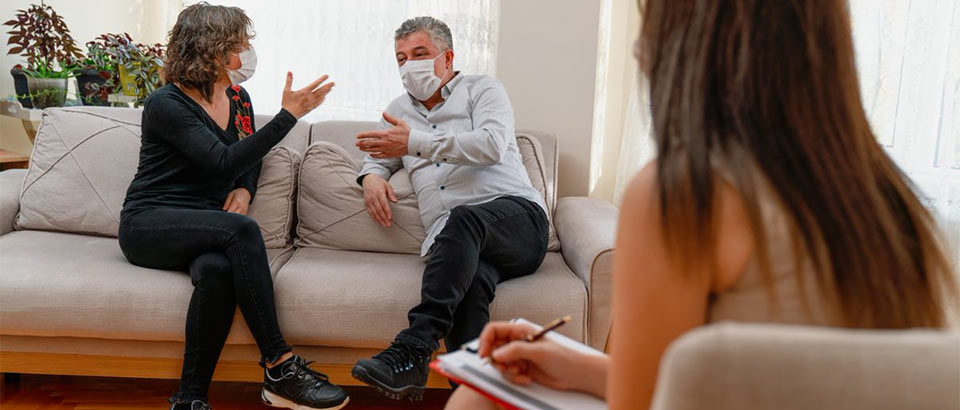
(376, 192)
(388, 143)
(238, 201)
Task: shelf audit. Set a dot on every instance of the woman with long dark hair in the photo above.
(770, 200)
(186, 207)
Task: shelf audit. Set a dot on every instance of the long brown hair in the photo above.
(200, 43)
(772, 86)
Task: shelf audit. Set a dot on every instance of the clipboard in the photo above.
(468, 369)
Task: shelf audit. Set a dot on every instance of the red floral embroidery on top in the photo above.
(242, 121)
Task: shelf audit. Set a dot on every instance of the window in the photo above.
(908, 57)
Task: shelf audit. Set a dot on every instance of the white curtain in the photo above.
(352, 41)
(908, 57)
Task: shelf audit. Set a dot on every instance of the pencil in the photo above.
(552, 326)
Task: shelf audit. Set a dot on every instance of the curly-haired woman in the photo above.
(185, 209)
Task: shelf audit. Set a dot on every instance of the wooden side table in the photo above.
(11, 160)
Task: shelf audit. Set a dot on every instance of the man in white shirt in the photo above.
(454, 134)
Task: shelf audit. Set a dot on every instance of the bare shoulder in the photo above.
(732, 230)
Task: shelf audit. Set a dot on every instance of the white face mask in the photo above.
(419, 78)
(248, 66)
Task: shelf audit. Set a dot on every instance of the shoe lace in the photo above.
(199, 405)
(301, 369)
(400, 357)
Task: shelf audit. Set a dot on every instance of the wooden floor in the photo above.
(35, 392)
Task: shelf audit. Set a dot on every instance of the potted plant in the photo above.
(95, 75)
(138, 65)
(41, 36)
(144, 67)
(20, 86)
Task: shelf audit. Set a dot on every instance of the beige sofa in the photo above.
(71, 304)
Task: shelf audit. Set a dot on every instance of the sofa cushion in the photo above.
(272, 206)
(82, 163)
(358, 299)
(332, 214)
(84, 159)
(535, 163)
(60, 284)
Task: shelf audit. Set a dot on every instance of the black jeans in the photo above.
(227, 262)
(479, 247)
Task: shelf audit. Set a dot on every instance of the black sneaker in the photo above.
(398, 372)
(194, 405)
(299, 387)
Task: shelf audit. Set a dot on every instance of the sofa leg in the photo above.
(11, 378)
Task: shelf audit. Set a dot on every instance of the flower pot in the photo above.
(127, 81)
(20, 87)
(89, 84)
(47, 92)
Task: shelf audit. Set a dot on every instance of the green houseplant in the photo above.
(138, 65)
(95, 74)
(41, 36)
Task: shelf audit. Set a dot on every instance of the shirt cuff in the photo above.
(375, 170)
(418, 144)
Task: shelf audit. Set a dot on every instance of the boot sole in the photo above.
(413, 393)
(274, 400)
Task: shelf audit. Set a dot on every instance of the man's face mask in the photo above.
(419, 78)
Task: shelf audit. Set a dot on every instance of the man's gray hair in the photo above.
(437, 30)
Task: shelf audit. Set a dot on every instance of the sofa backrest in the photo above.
(82, 163)
(766, 366)
(85, 157)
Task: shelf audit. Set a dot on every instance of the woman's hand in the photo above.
(544, 361)
(238, 201)
(304, 100)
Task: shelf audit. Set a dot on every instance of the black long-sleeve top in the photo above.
(188, 161)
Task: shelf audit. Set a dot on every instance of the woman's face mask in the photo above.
(419, 78)
(248, 65)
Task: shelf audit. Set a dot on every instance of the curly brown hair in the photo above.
(200, 43)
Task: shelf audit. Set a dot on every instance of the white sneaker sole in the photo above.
(274, 400)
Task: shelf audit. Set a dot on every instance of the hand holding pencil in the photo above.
(523, 355)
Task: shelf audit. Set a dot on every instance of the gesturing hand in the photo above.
(388, 143)
(238, 201)
(304, 100)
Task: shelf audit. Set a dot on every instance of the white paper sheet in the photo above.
(471, 369)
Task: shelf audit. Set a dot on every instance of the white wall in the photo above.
(145, 20)
(547, 58)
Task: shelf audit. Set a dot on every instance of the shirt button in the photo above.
(434, 126)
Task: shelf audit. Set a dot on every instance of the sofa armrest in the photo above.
(10, 181)
(763, 366)
(587, 228)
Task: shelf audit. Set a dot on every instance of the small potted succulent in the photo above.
(95, 75)
(41, 36)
